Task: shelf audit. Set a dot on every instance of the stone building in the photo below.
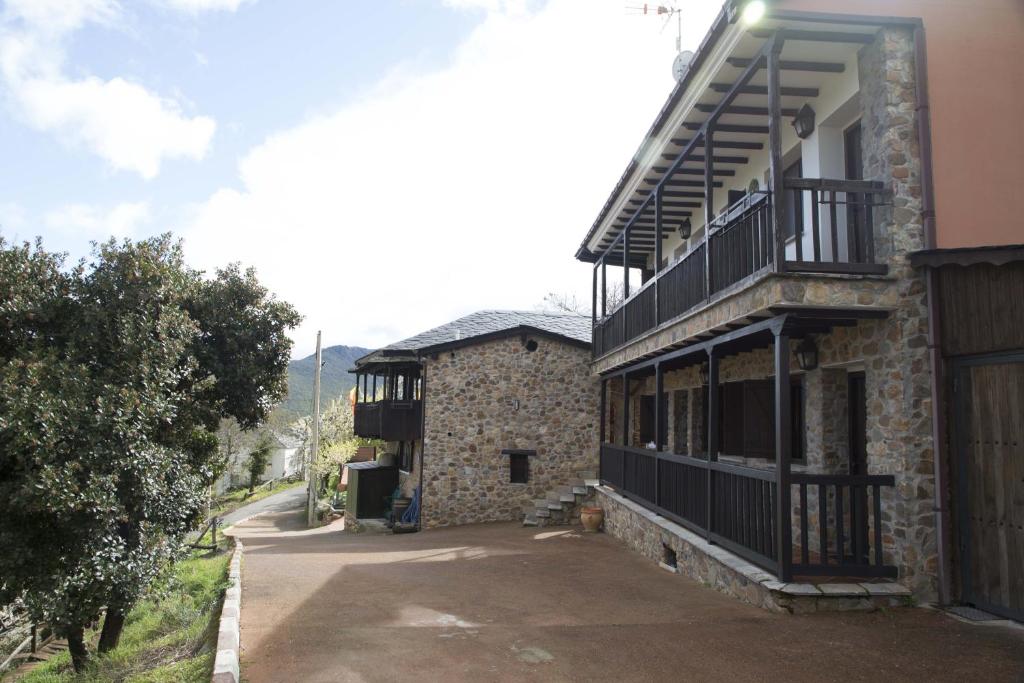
(773, 415)
(484, 414)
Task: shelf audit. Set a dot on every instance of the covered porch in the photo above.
(761, 164)
(744, 470)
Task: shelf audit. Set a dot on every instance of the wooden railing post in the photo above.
(775, 152)
(712, 440)
(782, 457)
(659, 425)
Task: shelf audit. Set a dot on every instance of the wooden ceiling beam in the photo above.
(787, 91)
(793, 65)
(724, 144)
(741, 110)
(728, 128)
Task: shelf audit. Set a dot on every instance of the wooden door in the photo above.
(989, 422)
(856, 393)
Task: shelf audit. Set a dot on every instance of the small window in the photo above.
(405, 453)
(531, 346)
(519, 468)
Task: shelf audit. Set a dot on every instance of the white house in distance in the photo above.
(285, 460)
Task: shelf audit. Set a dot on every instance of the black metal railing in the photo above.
(389, 420)
(836, 236)
(741, 241)
(842, 224)
(840, 524)
(744, 512)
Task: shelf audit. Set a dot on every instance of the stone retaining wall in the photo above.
(650, 534)
(225, 665)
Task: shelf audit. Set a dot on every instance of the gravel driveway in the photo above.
(499, 602)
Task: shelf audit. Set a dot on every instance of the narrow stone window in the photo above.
(519, 468)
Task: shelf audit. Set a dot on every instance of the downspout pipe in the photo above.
(934, 342)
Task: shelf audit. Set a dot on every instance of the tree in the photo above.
(259, 458)
(114, 376)
(570, 303)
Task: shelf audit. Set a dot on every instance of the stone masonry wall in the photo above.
(471, 415)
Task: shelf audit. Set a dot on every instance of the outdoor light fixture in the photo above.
(750, 12)
(804, 122)
(705, 374)
(685, 228)
(807, 354)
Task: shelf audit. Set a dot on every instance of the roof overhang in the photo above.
(968, 256)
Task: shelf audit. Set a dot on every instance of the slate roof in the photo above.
(573, 328)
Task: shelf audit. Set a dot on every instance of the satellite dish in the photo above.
(682, 64)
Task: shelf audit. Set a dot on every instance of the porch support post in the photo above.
(625, 261)
(604, 286)
(625, 409)
(604, 407)
(366, 379)
(709, 201)
(712, 440)
(374, 386)
(593, 299)
(778, 197)
(657, 252)
(659, 423)
(659, 386)
(783, 438)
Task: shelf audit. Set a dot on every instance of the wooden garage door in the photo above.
(990, 429)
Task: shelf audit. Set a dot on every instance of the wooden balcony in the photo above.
(389, 420)
(741, 246)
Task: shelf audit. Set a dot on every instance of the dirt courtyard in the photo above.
(500, 602)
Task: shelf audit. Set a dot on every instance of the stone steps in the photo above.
(559, 505)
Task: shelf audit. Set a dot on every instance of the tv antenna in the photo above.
(681, 64)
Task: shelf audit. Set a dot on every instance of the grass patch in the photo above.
(171, 636)
(232, 500)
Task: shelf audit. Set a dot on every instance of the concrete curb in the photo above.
(225, 665)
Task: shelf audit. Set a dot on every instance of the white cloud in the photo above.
(124, 123)
(96, 223)
(197, 6)
(465, 188)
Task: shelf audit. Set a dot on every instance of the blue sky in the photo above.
(385, 165)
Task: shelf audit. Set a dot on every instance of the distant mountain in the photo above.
(335, 380)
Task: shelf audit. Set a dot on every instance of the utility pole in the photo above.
(315, 446)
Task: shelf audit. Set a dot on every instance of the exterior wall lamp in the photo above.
(705, 374)
(747, 11)
(804, 122)
(807, 354)
(685, 228)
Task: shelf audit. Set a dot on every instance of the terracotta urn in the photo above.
(592, 517)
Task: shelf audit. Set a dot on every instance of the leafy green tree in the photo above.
(259, 458)
(114, 377)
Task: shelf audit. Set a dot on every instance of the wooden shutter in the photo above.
(731, 420)
(759, 418)
(646, 420)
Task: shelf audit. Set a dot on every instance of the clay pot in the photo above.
(592, 518)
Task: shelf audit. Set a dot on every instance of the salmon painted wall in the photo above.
(976, 93)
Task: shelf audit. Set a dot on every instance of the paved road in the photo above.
(498, 602)
(279, 502)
